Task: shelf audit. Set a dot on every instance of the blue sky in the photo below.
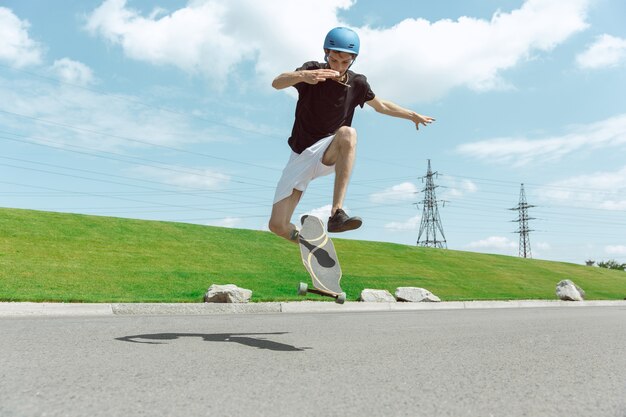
(163, 110)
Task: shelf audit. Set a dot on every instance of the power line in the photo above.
(94, 194)
(143, 142)
(120, 158)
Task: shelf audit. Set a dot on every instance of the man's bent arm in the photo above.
(288, 79)
(392, 109)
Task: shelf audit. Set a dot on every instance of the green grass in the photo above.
(76, 258)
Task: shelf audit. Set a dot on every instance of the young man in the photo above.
(322, 140)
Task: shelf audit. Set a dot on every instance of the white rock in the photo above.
(377, 296)
(229, 293)
(566, 290)
(415, 295)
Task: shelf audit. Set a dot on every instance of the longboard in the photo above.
(320, 260)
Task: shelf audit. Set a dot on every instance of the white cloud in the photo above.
(615, 249)
(542, 246)
(606, 51)
(433, 58)
(77, 114)
(200, 179)
(505, 246)
(411, 224)
(493, 242)
(618, 205)
(212, 37)
(72, 72)
(468, 186)
(16, 46)
(320, 212)
(520, 151)
(189, 38)
(401, 192)
(600, 190)
(458, 189)
(227, 222)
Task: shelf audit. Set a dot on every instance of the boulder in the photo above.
(228, 293)
(377, 296)
(566, 290)
(416, 295)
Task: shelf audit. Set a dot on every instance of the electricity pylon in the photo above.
(431, 222)
(523, 230)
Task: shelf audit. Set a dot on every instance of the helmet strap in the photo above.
(351, 63)
(327, 53)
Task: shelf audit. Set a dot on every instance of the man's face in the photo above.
(340, 61)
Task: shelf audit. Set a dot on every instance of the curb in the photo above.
(151, 309)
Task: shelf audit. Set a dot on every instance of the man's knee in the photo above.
(346, 137)
(279, 228)
(274, 226)
(346, 131)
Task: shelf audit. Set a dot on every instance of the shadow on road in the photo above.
(241, 338)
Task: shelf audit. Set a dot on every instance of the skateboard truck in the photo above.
(303, 289)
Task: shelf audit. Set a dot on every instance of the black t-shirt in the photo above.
(326, 106)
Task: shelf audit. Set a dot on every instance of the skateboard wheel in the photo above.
(302, 288)
(341, 298)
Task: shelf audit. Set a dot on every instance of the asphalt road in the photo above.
(507, 362)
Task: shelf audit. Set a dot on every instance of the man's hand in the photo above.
(319, 75)
(423, 120)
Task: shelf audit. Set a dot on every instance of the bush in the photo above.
(612, 264)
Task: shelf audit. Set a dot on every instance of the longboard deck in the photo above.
(319, 257)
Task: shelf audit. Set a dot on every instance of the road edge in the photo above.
(26, 309)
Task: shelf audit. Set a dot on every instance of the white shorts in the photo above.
(303, 168)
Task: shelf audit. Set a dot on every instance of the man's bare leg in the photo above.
(280, 220)
(341, 153)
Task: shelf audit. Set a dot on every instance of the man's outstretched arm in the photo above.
(392, 109)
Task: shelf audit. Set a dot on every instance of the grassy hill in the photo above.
(66, 257)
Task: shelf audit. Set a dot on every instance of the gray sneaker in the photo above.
(341, 222)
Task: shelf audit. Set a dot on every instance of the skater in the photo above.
(322, 140)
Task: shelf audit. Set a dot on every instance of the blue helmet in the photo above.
(343, 40)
